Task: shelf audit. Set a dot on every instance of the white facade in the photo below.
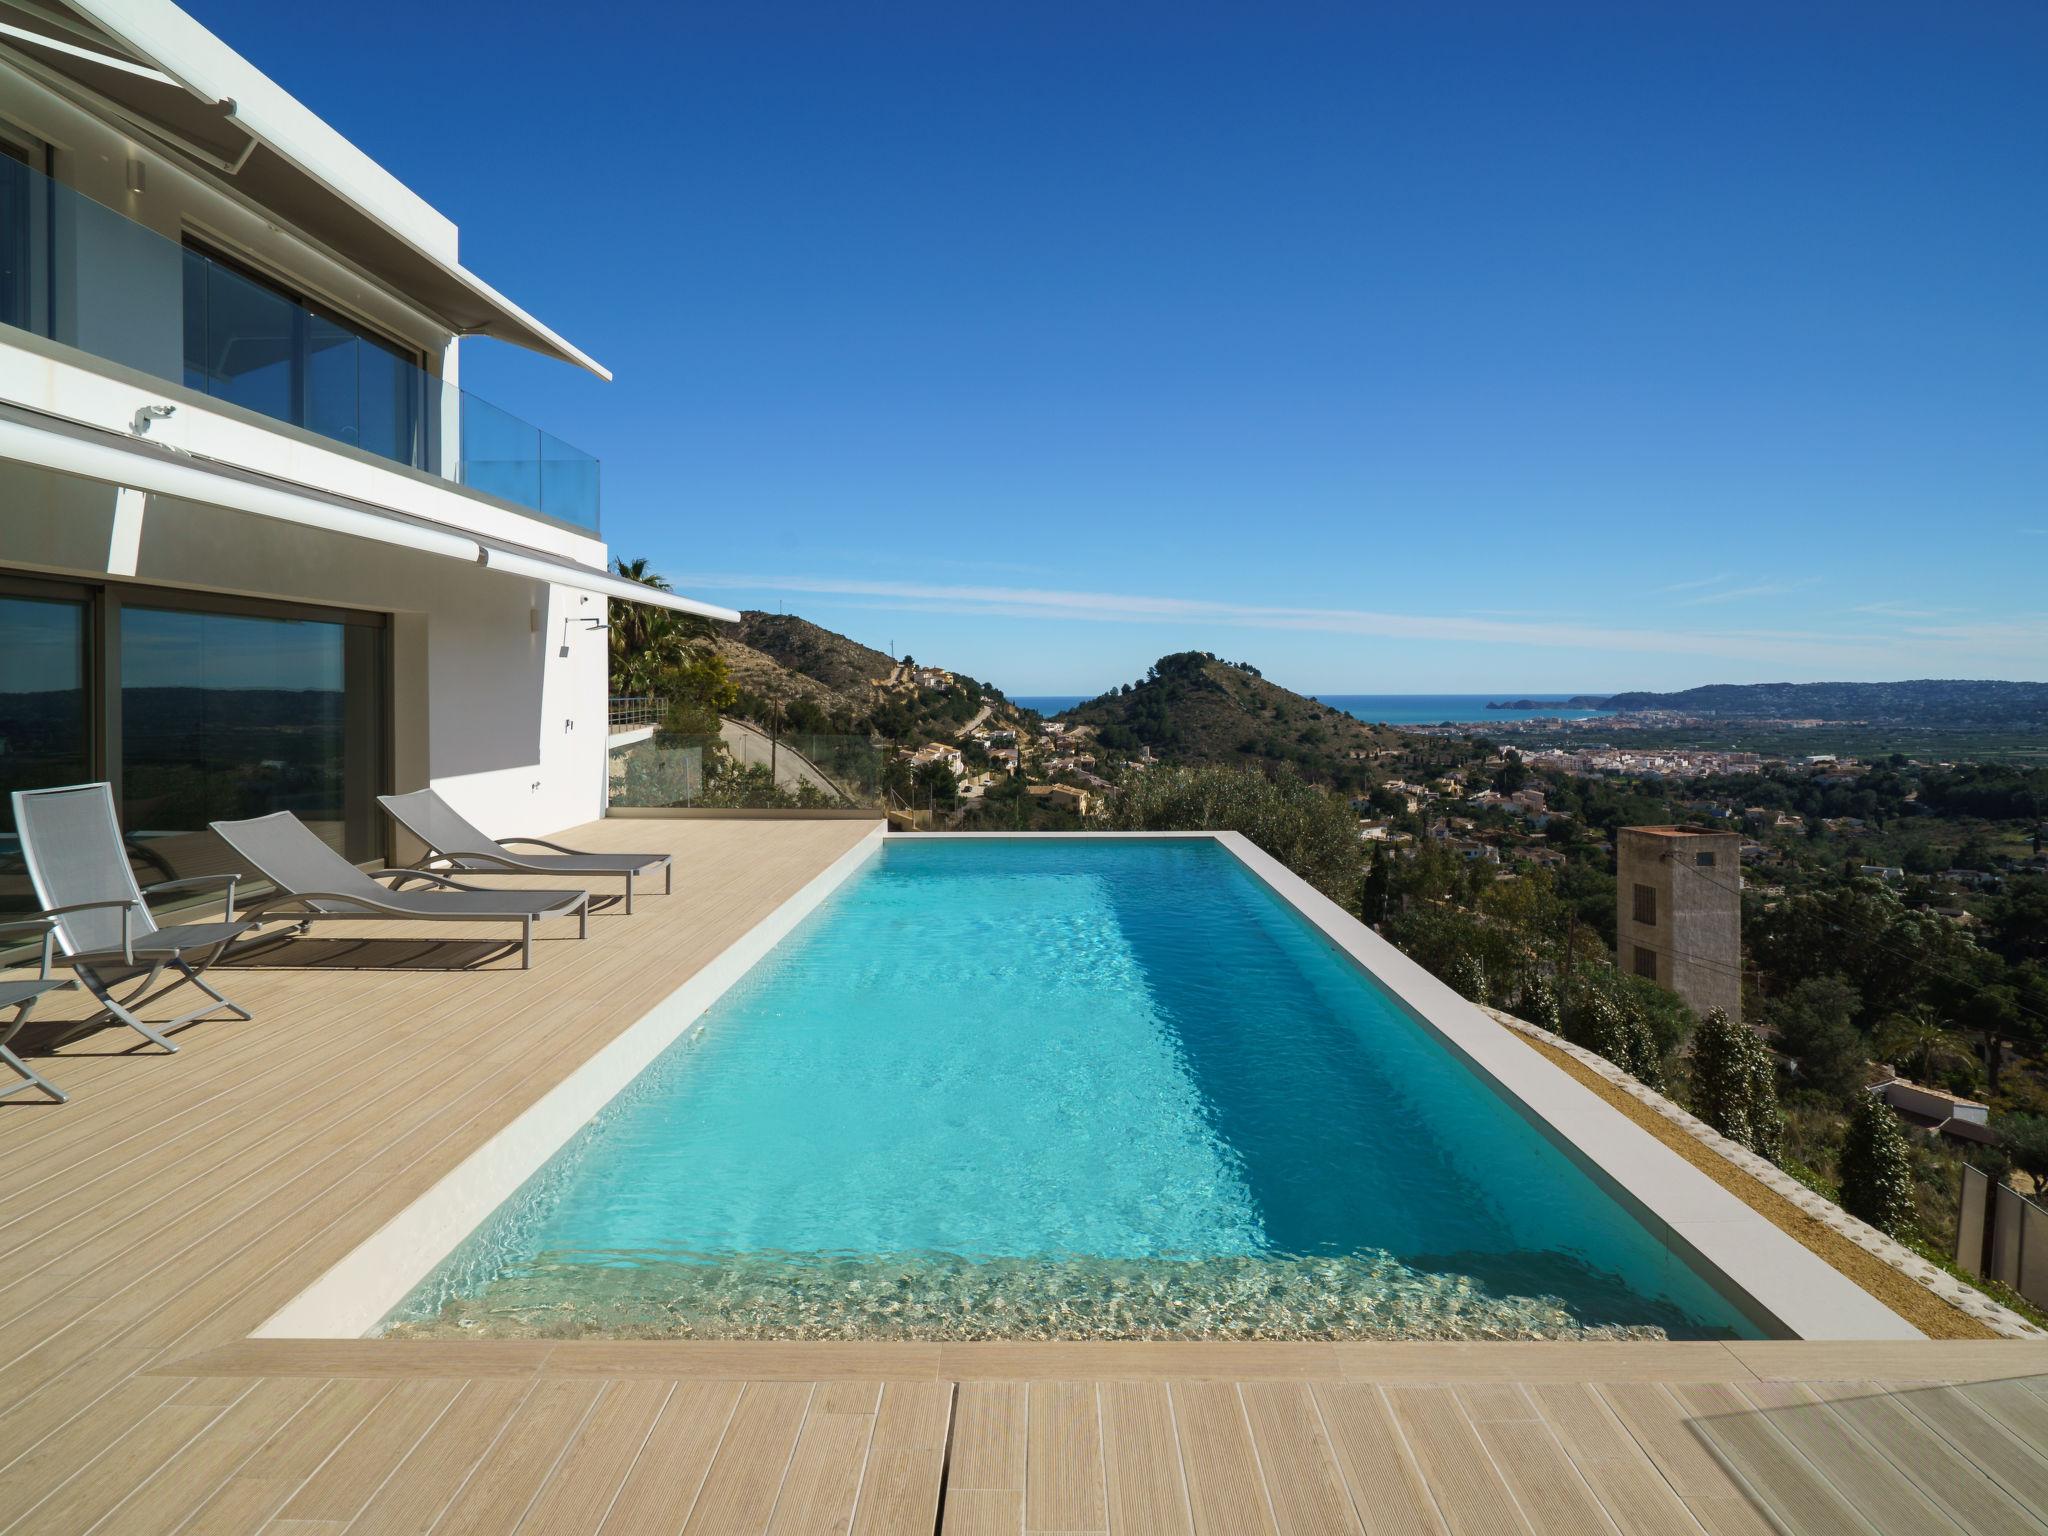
(140, 151)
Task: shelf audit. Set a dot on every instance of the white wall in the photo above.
(484, 706)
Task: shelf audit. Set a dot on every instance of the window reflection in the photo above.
(43, 738)
(250, 344)
(227, 716)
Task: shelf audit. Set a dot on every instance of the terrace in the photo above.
(177, 1203)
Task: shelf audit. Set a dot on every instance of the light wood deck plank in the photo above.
(505, 1483)
(438, 1467)
(2017, 1466)
(988, 1436)
(824, 1476)
(1296, 1460)
(747, 1471)
(1973, 1500)
(1631, 1489)
(1663, 1428)
(669, 1472)
(1063, 1472)
(1867, 1482)
(339, 1488)
(580, 1491)
(260, 1487)
(1797, 1493)
(1226, 1492)
(1470, 1493)
(899, 1495)
(1146, 1490)
(983, 1512)
(1387, 1489)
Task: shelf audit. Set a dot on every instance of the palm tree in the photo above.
(1915, 1035)
(647, 641)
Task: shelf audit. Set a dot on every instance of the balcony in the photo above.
(79, 273)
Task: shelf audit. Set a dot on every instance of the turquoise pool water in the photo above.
(1061, 1088)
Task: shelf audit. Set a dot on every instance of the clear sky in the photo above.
(1393, 348)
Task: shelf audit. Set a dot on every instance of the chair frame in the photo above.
(95, 968)
(44, 984)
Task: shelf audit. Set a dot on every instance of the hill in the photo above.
(1193, 707)
(1944, 702)
(800, 677)
(842, 666)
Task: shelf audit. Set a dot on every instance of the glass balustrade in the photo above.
(78, 272)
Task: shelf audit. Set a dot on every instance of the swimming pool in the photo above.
(1063, 1088)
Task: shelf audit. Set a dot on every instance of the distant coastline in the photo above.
(1401, 708)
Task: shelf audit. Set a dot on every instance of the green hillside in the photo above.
(1194, 707)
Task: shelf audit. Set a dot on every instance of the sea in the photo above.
(1401, 708)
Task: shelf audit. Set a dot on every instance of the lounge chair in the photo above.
(79, 866)
(313, 881)
(454, 845)
(21, 996)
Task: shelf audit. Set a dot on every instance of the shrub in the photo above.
(1602, 1015)
(2023, 1139)
(1735, 1083)
(1877, 1175)
(1307, 829)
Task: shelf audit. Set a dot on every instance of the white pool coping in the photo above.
(1786, 1288)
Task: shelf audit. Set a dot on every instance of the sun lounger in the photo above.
(314, 882)
(453, 845)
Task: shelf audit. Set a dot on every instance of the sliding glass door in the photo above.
(197, 710)
(45, 727)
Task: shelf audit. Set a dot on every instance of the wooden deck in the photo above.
(147, 1227)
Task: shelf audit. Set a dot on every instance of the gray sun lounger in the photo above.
(22, 996)
(313, 882)
(453, 844)
(79, 866)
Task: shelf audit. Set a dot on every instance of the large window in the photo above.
(17, 217)
(197, 710)
(45, 733)
(252, 343)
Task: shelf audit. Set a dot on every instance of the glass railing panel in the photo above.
(500, 453)
(745, 769)
(568, 482)
(81, 273)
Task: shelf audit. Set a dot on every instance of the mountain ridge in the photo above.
(1917, 701)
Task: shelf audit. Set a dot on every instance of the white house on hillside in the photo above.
(258, 549)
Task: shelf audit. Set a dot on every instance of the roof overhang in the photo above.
(90, 453)
(165, 75)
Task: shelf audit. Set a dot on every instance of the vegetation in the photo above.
(1191, 707)
(2023, 1139)
(1302, 826)
(1877, 1177)
(670, 656)
(1735, 1083)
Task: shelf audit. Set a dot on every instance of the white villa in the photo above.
(259, 549)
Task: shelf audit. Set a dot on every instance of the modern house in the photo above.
(259, 549)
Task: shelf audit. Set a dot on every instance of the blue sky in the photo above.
(1391, 348)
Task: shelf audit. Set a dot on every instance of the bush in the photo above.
(1735, 1084)
(2023, 1139)
(1310, 831)
(1877, 1175)
(1601, 1014)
